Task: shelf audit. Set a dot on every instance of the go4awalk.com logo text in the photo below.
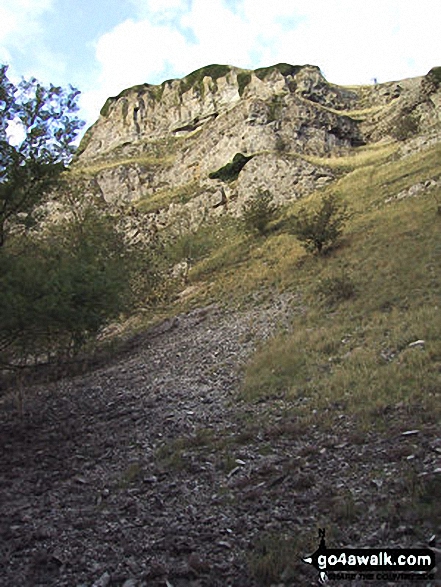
(380, 564)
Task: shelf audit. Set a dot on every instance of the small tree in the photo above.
(319, 229)
(258, 212)
(37, 128)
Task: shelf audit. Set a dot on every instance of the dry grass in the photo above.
(106, 164)
(163, 198)
(375, 154)
(351, 355)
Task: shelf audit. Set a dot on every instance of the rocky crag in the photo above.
(200, 146)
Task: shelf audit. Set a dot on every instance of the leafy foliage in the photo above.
(243, 79)
(195, 78)
(38, 126)
(58, 291)
(319, 229)
(230, 171)
(406, 126)
(275, 106)
(258, 212)
(432, 81)
(336, 288)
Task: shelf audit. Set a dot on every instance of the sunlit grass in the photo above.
(106, 164)
(353, 356)
(375, 154)
(163, 198)
(347, 349)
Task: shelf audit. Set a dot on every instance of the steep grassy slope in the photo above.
(360, 362)
(358, 309)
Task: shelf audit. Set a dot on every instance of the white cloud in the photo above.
(160, 10)
(19, 19)
(133, 53)
(21, 31)
(352, 42)
(221, 35)
(149, 49)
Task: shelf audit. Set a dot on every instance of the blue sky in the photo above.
(104, 46)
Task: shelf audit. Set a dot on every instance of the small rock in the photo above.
(198, 564)
(103, 581)
(233, 472)
(129, 583)
(417, 343)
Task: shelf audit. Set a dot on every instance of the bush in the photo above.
(243, 79)
(258, 212)
(319, 229)
(60, 290)
(406, 126)
(336, 288)
(230, 171)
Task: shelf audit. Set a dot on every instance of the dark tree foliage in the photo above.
(60, 283)
(230, 171)
(60, 289)
(38, 126)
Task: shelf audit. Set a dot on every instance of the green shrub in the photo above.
(284, 68)
(190, 245)
(319, 229)
(58, 291)
(195, 79)
(432, 81)
(275, 106)
(105, 110)
(243, 79)
(406, 126)
(258, 212)
(336, 288)
(230, 171)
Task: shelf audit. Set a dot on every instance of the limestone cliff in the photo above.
(158, 148)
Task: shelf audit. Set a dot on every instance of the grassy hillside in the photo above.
(360, 359)
(358, 309)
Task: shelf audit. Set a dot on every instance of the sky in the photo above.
(104, 46)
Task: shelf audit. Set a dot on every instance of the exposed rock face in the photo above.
(247, 109)
(155, 147)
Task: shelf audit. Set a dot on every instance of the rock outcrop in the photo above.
(157, 148)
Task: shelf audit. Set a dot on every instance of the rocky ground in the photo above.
(149, 471)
